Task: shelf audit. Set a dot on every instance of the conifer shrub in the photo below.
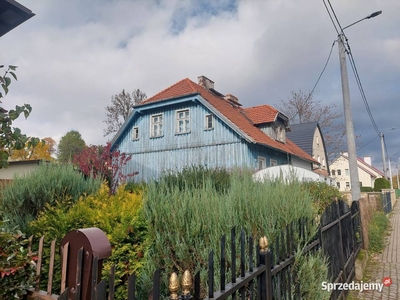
(322, 193)
(381, 183)
(50, 183)
(118, 215)
(186, 221)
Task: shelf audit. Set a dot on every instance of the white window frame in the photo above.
(156, 125)
(273, 162)
(135, 133)
(261, 160)
(209, 118)
(185, 128)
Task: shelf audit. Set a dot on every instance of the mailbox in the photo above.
(94, 243)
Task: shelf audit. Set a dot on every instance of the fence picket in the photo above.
(78, 277)
(111, 281)
(39, 264)
(101, 292)
(64, 255)
(95, 272)
(211, 275)
(223, 263)
(51, 267)
(131, 287)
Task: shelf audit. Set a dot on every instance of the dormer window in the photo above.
(280, 133)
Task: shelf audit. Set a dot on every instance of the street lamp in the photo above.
(351, 144)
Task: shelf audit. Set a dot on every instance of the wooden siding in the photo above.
(218, 147)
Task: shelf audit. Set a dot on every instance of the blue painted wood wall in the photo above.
(219, 147)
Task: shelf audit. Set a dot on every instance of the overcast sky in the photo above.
(74, 55)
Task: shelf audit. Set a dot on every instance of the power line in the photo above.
(368, 142)
(323, 70)
(329, 13)
(337, 20)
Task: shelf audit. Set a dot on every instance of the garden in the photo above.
(170, 224)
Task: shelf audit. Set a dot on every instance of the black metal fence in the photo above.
(386, 202)
(265, 271)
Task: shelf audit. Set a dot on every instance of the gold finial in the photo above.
(173, 286)
(263, 244)
(186, 283)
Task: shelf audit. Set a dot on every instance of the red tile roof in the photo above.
(261, 114)
(244, 119)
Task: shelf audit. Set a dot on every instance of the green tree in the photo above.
(11, 138)
(70, 145)
(120, 109)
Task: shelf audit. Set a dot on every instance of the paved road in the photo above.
(387, 265)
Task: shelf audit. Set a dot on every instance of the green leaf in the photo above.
(13, 67)
(5, 88)
(26, 114)
(28, 107)
(8, 80)
(13, 75)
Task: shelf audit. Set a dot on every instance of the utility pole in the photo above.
(383, 153)
(390, 174)
(397, 169)
(351, 144)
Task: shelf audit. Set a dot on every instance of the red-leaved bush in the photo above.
(101, 161)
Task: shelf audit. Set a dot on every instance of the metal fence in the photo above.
(386, 202)
(266, 271)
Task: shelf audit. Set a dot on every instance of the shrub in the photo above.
(314, 268)
(381, 183)
(195, 176)
(186, 222)
(376, 232)
(17, 266)
(322, 194)
(118, 215)
(49, 183)
(366, 189)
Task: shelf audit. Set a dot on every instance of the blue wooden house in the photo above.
(193, 124)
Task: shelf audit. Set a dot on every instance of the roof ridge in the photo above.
(166, 89)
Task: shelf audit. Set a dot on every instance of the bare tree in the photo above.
(120, 109)
(302, 108)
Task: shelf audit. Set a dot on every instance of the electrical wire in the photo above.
(333, 22)
(360, 87)
(345, 41)
(337, 20)
(368, 143)
(323, 70)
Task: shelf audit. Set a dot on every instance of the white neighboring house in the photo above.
(18, 168)
(366, 172)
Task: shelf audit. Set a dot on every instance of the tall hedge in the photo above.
(50, 182)
(184, 224)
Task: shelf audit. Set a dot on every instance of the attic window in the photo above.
(135, 133)
(209, 122)
(280, 133)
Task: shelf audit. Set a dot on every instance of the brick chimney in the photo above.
(205, 82)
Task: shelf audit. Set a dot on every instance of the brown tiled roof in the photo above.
(261, 114)
(244, 119)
